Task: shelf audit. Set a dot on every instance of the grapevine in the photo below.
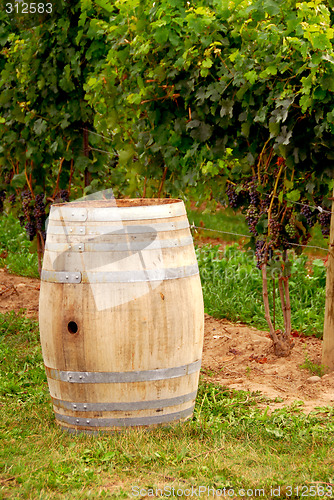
(308, 213)
(325, 220)
(232, 195)
(252, 218)
(276, 226)
(39, 214)
(62, 196)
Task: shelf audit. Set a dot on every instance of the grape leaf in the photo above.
(40, 126)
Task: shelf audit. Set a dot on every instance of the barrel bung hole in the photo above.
(72, 327)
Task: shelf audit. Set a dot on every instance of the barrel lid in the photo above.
(117, 210)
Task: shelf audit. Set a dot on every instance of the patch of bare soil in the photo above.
(18, 293)
(235, 355)
(242, 358)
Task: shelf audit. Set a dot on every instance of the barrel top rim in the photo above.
(120, 203)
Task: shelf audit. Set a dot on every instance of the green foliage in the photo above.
(207, 90)
(187, 95)
(42, 106)
(153, 68)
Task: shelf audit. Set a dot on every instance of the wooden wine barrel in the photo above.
(121, 314)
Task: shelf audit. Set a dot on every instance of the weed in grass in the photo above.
(208, 372)
(313, 367)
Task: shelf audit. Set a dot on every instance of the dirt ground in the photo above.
(234, 355)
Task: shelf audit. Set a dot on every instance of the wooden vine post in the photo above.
(328, 338)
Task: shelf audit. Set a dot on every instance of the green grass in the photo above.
(232, 288)
(230, 443)
(222, 220)
(16, 251)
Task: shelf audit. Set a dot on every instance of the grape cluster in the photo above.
(252, 218)
(26, 199)
(62, 196)
(325, 220)
(291, 230)
(253, 193)
(308, 214)
(232, 196)
(2, 199)
(264, 204)
(288, 225)
(275, 229)
(39, 214)
(30, 225)
(260, 252)
(31, 230)
(285, 243)
(8, 177)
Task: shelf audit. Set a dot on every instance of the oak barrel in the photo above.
(121, 314)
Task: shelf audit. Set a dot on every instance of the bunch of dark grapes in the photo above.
(28, 214)
(31, 230)
(275, 229)
(62, 196)
(325, 220)
(232, 196)
(39, 215)
(2, 199)
(308, 214)
(264, 204)
(260, 253)
(253, 193)
(26, 199)
(252, 218)
(39, 212)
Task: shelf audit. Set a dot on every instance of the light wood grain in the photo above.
(122, 327)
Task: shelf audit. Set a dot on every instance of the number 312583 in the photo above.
(29, 8)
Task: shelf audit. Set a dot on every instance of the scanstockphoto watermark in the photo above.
(197, 492)
(232, 273)
(321, 490)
